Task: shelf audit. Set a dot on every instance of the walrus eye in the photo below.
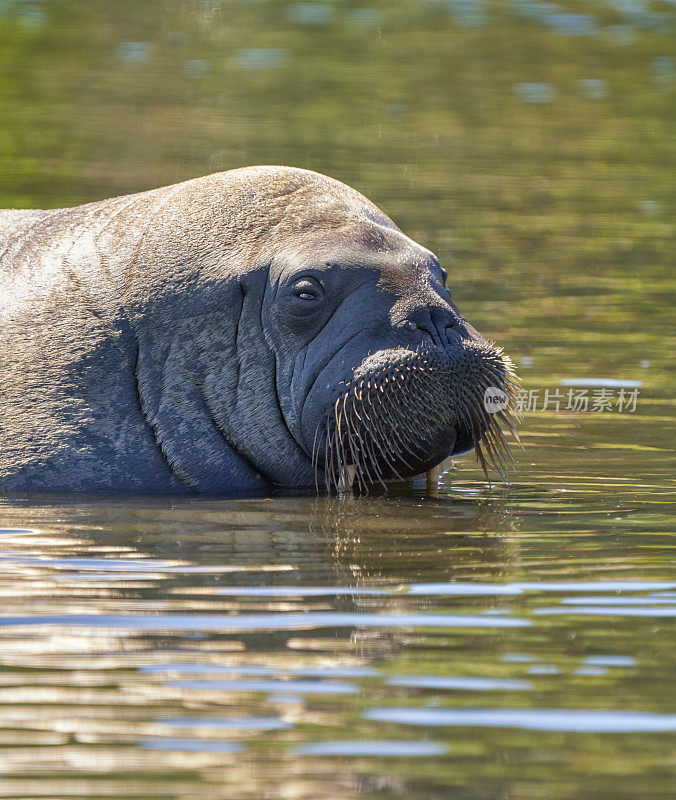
(308, 290)
(304, 297)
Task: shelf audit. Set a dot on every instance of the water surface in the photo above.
(484, 642)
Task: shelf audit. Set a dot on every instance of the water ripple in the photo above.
(245, 622)
(359, 747)
(228, 723)
(256, 669)
(611, 611)
(300, 687)
(537, 719)
(469, 683)
(193, 745)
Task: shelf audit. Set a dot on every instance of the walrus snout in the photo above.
(406, 410)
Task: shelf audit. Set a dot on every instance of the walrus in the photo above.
(265, 326)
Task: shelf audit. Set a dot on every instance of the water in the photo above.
(514, 642)
(509, 643)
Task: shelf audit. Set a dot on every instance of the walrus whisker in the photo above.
(328, 456)
(501, 448)
(482, 462)
(497, 432)
(342, 455)
(376, 441)
(346, 455)
(498, 448)
(497, 462)
(508, 420)
(353, 447)
(493, 448)
(398, 452)
(343, 458)
(315, 457)
(327, 449)
(400, 448)
(386, 423)
(469, 419)
(482, 433)
(338, 416)
(338, 443)
(374, 463)
(332, 456)
(362, 463)
(371, 456)
(406, 445)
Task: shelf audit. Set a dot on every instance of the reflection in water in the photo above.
(248, 643)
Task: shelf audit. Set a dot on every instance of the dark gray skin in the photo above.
(197, 337)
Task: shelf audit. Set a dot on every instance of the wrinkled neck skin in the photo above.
(159, 378)
(207, 386)
(204, 367)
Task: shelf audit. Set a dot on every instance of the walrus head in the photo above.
(375, 366)
(283, 328)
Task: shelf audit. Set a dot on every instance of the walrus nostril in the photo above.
(437, 323)
(444, 320)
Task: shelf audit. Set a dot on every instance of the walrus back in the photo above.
(14, 227)
(14, 222)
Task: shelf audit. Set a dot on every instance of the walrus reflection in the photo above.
(279, 555)
(302, 540)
